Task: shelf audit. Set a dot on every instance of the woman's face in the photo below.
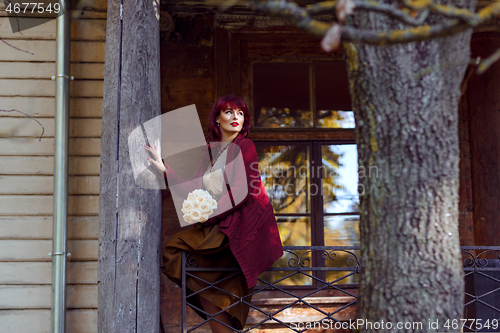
(230, 120)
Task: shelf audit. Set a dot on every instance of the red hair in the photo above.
(224, 102)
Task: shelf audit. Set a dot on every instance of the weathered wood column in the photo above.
(129, 216)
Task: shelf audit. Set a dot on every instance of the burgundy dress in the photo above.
(242, 231)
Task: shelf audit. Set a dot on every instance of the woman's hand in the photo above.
(156, 160)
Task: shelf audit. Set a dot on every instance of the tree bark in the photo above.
(405, 100)
(129, 216)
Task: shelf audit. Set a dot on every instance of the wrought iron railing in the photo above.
(482, 288)
(314, 287)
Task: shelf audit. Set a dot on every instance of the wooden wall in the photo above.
(26, 172)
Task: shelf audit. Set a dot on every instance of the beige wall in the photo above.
(26, 173)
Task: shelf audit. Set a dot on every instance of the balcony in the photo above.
(315, 287)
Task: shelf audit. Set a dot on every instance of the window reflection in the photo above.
(336, 119)
(340, 182)
(340, 197)
(294, 231)
(332, 97)
(342, 230)
(283, 117)
(281, 95)
(284, 95)
(285, 174)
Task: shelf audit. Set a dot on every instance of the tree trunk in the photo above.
(405, 100)
(129, 216)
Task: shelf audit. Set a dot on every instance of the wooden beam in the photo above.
(485, 143)
(299, 134)
(129, 216)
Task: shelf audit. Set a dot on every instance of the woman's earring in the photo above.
(217, 124)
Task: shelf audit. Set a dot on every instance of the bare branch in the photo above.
(486, 63)
(291, 11)
(417, 4)
(332, 38)
(304, 21)
(465, 81)
(324, 6)
(1, 39)
(416, 34)
(447, 11)
(453, 12)
(27, 115)
(344, 8)
(393, 12)
(375, 7)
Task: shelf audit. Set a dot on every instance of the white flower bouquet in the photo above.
(198, 206)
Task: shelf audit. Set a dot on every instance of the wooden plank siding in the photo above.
(32, 320)
(44, 165)
(20, 273)
(43, 185)
(79, 107)
(46, 88)
(27, 166)
(40, 227)
(25, 127)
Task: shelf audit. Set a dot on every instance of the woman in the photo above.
(243, 227)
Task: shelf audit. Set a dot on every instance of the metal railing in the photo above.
(330, 273)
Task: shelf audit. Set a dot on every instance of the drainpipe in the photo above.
(59, 236)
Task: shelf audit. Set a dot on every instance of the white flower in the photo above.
(195, 214)
(205, 207)
(187, 205)
(187, 218)
(198, 192)
(198, 206)
(212, 203)
(200, 199)
(191, 197)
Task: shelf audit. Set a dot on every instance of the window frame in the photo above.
(316, 208)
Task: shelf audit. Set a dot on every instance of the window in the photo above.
(301, 95)
(312, 184)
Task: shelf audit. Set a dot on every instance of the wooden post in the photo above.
(129, 216)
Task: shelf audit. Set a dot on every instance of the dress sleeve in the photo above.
(182, 187)
(241, 187)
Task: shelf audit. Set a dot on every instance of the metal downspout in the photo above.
(59, 236)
